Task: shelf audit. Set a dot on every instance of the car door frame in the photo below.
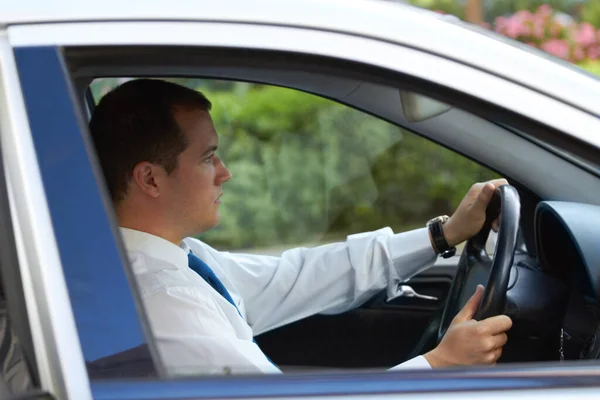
(56, 334)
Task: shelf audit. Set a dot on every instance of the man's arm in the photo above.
(326, 279)
(337, 277)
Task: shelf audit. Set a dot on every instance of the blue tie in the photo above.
(209, 276)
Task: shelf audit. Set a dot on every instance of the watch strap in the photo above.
(439, 240)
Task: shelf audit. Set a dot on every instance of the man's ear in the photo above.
(146, 177)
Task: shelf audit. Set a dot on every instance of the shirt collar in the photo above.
(155, 246)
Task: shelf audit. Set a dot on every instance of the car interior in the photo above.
(545, 269)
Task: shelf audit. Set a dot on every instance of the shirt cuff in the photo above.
(411, 252)
(419, 362)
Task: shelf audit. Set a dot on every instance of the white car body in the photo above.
(391, 36)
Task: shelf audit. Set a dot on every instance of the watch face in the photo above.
(441, 218)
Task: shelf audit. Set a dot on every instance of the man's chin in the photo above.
(203, 229)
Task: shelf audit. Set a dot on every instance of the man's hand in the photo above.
(469, 342)
(469, 217)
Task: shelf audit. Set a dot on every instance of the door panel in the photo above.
(379, 334)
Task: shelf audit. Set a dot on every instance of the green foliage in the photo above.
(592, 66)
(590, 12)
(453, 7)
(497, 8)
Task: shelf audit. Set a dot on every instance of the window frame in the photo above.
(14, 293)
(50, 322)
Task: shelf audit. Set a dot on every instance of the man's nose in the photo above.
(223, 173)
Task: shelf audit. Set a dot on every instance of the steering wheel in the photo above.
(476, 267)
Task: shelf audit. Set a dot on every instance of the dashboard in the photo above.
(568, 250)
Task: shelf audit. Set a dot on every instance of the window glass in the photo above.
(308, 171)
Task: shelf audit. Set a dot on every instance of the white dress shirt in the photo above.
(198, 331)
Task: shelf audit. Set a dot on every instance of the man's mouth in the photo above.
(218, 200)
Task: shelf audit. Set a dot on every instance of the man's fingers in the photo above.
(496, 325)
(486, 192)
(499, 341)
(469, 310)
(494, 356)
(484, 196)
(498, 182)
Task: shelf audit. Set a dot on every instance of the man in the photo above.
(157, 146)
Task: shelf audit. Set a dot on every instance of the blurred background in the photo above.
(308, 171)
(567, 29)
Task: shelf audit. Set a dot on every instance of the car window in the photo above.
(309, 171)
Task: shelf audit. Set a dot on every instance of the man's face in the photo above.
(194, 188)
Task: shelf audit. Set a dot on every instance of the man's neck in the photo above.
(154, 223)
(153, 230)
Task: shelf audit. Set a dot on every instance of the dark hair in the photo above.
(135, 122)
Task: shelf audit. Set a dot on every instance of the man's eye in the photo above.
(208, 160)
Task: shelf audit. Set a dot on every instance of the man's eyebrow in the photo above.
(210, 149)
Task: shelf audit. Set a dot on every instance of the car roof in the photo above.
(383, 20)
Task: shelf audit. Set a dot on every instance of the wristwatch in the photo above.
(437, 234)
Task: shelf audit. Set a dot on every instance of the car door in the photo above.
(105, 316)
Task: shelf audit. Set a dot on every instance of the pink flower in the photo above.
(538, 29)
(585, 35)
(593, 53)
(557, 47)
(499, 24)
(578, 54)
(523, 15)
(514, 28)
(555, 29)
(544, 10)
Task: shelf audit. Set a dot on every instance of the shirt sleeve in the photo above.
(419, 362)
(330, 279)
(194, 337)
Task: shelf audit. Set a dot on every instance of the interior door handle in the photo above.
(407, 291)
